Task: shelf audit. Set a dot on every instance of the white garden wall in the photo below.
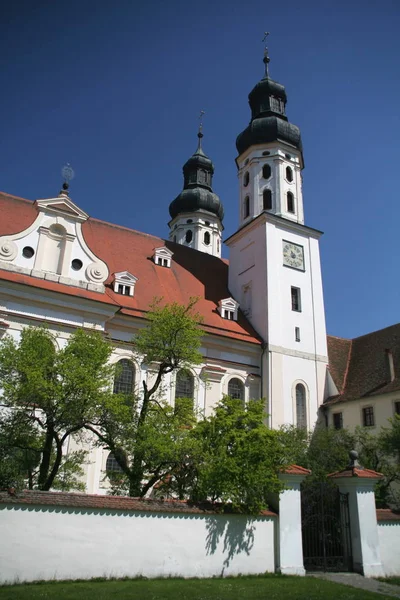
(389, 542)
(63, 541)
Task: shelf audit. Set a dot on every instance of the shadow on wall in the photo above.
(237, 532)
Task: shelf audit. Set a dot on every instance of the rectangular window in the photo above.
(397, 408)
(368, 416)
(297, 334)
(337, 420)
(296, 299)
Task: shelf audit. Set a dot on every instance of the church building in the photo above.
(263, 310)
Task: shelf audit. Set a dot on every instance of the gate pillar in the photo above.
(290, 538)
(359, 484)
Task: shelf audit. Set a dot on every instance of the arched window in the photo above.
(290, 202)
(184, 387)
(246, 207)
(301, 409)
(289, 174)
(111, 465)
(266, 171)
(246, 179)
(267, 199)
(124, 378)
(189, 236)
(236, 388)
(207, 238)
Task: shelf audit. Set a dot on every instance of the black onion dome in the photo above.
(268, 129)
(197, 193)
(269, 122)
(193, 199)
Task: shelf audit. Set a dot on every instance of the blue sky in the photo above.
(115, 89)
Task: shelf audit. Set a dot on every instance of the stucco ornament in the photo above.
(97, 272)
(8, 250)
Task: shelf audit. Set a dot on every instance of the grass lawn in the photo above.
(253, 588)
(392, 580)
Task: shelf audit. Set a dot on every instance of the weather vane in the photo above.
(67, 173)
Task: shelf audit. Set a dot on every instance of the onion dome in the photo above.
(268, 118)
(197, 193)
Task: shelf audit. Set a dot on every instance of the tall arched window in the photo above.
(246, 179)
(189, 236)
(290, 202)
(111, 465)
(207, 238)
(267, 199)
(301, 408)
(184, 387)
(266, 171)
(246, 207)
(124, 378)
(236, 388)
(289, 174)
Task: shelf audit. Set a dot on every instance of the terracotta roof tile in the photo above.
(297, 470)
(386, 514)
(356, 472)
(367, 371)
(191, 274)
(98, 502)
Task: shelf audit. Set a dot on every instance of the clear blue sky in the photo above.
(115, 88)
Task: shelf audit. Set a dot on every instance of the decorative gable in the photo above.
(53, 247)
(228, 309)
(162, 256)
(124, 283)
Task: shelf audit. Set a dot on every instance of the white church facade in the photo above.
(263, 311)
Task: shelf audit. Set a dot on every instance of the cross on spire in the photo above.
(266, 57)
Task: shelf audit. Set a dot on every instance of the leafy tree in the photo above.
(143, 433)
(48, 395)
(238, 457)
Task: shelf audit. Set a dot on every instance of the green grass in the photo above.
(268, 587)
(392, 580)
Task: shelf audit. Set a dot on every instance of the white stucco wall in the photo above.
(48, 542)
(389, 542)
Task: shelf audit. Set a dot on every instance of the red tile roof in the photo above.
(296, 470)
(357, 472)
(97, 502)
(386, 514)
(360, 367)
(191, 274)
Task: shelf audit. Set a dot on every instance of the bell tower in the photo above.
(197, 213)
(274, 267)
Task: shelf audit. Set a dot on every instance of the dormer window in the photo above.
(124, 283)
(162, 257)
(228, 309)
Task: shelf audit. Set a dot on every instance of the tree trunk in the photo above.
(46, 458)
(50, 479)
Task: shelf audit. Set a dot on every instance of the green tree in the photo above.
(143, 433)
(49, 395)
(239, 457)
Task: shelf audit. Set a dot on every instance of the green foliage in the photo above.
(146, 436)
(238, 458)
(173, 336)
(49, 394)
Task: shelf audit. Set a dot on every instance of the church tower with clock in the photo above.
(275, 270)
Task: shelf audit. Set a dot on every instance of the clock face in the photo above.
(293, 255)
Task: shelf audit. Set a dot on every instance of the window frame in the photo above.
(290, 205)
(337, 416)
(367, 416)
(289, 174)
(267, 192)
(266, 166)
(301, 420)
(116, 383)
(396, 407)
(295, 295)
(246, 207)
(240, 386)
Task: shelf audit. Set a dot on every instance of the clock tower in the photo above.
(274, 270)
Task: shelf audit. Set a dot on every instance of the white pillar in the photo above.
(363, 522)
(290, 538)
